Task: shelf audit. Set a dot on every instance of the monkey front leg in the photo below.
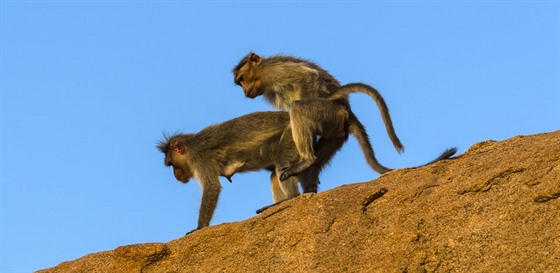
(210, 192)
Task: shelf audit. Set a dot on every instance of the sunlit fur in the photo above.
(307, 92)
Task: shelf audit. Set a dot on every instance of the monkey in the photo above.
(261, 140)
(310, 94)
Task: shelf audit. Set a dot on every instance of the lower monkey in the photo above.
(261, 140)
(255, 141)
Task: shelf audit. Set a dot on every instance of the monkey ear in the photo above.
(177, 147)
(255, 59)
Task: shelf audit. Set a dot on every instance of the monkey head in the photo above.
(175, 157)
(247, 74)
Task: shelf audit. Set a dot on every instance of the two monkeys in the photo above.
(294, 144)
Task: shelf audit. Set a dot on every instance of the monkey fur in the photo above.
(256, 141)
(260, 140)
(316, 101)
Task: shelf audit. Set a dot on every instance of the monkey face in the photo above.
(180, 164)
(182, 174)
(249, 81)
(246, 75)
(181, 169)
(176, 157)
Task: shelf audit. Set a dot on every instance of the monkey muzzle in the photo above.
(183, 180)
(253, 93)
(180, 175)
(252, 90)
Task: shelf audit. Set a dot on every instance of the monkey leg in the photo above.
(289, 187)
(210, 192)
(281, 191)
(309, 119)
(309, 179)
(277, 193)
(324, 150)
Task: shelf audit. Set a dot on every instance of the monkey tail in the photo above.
(446, 154)
(347, 89)
(357, 129)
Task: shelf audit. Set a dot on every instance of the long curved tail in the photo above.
(357, 129)
(346, 89)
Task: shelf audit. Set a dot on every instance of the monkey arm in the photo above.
(211, 188)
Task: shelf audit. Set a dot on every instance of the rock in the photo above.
(495, 208)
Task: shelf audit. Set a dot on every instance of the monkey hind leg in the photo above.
(294, 169)
(325, 149)
(309, 119)
(283, 190)
(277, 193)
(309, 179)
(290, 187)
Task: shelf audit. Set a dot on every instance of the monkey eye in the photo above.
(240, 79)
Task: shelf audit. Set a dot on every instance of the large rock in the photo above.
(496, 208)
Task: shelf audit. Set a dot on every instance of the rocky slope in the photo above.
(495, 208)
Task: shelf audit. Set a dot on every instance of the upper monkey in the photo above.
(310, 94)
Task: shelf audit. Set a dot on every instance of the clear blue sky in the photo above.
(87, 88)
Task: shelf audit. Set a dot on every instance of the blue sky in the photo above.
(88, 87)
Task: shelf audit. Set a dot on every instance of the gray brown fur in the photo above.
(256, 141)
(318, 106)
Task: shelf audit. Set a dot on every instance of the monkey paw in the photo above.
(287, 172)
(292, 170)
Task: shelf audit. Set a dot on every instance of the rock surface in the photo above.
(495, 208)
